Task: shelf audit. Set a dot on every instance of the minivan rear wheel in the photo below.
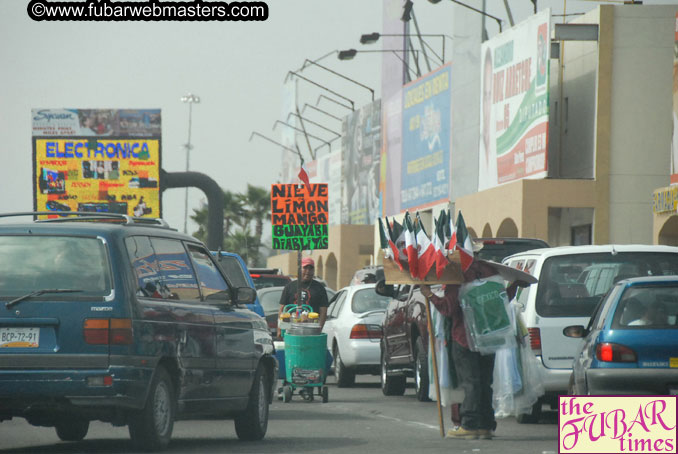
(151, 428)
(72, 430)
(533, 416)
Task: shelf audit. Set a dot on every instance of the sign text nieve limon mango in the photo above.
(299, 216)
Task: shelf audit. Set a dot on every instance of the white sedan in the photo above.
(353, 328)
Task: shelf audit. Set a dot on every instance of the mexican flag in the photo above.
(425, 249)
(464, 243)
(411, 247)
(438, 245)
(387, 244)
(450, 240)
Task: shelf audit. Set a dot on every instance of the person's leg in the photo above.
(467, 364)
(487, 421)
(456, 417)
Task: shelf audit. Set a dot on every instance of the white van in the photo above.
(572, 280)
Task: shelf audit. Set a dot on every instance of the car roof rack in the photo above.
(88, 216)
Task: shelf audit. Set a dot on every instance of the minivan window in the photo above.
(572, 285)
(211, 281)
(175, 269)
(29, 263)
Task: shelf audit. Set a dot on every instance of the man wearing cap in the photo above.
(312, 292)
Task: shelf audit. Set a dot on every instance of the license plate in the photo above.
(19, 337)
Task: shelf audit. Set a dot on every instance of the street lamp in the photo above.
(371, 38)
(310, 62)
(474, 9)
(349, 54)
(190, 99)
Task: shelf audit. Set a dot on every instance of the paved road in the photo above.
(356, 419)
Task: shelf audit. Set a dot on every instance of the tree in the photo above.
(240, 212)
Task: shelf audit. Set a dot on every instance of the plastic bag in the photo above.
(489, 327)
(450, 393)
(517, 382)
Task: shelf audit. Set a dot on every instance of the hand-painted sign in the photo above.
(299, 216)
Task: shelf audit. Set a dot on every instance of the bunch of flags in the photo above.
(410, 243)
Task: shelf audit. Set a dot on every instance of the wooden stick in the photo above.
(432, 352)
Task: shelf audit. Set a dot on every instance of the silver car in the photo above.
(353, 327)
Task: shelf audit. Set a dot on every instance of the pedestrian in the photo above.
(474, 371)
(312, 292)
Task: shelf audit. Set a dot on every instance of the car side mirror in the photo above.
(576, 331)
(384, 289)
(245, 295)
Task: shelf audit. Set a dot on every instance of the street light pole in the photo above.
(190, 99)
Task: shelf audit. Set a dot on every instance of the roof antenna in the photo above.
(614, 251)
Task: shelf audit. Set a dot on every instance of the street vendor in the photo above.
(312, 292)
(474, 370)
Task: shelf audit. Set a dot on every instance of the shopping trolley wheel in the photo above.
(325, 394)
(287, 394)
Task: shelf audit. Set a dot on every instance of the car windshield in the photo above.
(367, 300)
(647, 307)
(29, 263)
(270, 300)
(572, 285)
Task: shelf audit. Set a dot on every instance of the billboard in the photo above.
(97, 161)
(361, 153)
(299, 216)
(514, 97)
(426, 126)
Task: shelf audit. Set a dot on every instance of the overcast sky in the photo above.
(237, 69)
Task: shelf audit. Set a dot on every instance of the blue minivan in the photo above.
(236, 268)
(128, 322)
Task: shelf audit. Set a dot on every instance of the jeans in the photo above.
(474, 372)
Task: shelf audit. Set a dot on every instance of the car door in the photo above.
(397, 341)
(174, 319)
(235, 354)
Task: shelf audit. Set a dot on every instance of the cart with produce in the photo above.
(305, 353)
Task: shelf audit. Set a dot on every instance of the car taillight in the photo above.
(363, 331)
(103, 331)
(255, 275)
(535, 340)
(614, 353)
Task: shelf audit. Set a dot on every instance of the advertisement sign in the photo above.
(361, 153)
(674, 141)
(515, 103)
(426, 114)
(299, 216)
(97, 160)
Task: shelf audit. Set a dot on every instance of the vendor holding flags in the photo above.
(405, 244)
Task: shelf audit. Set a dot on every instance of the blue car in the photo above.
(630, 345)
(236, 269)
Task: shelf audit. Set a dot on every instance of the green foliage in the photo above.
(241, 213)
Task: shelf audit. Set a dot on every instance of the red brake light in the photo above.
(615, 353)
(535, 340)
(255, 275)
(362, 331)
(102, 331)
